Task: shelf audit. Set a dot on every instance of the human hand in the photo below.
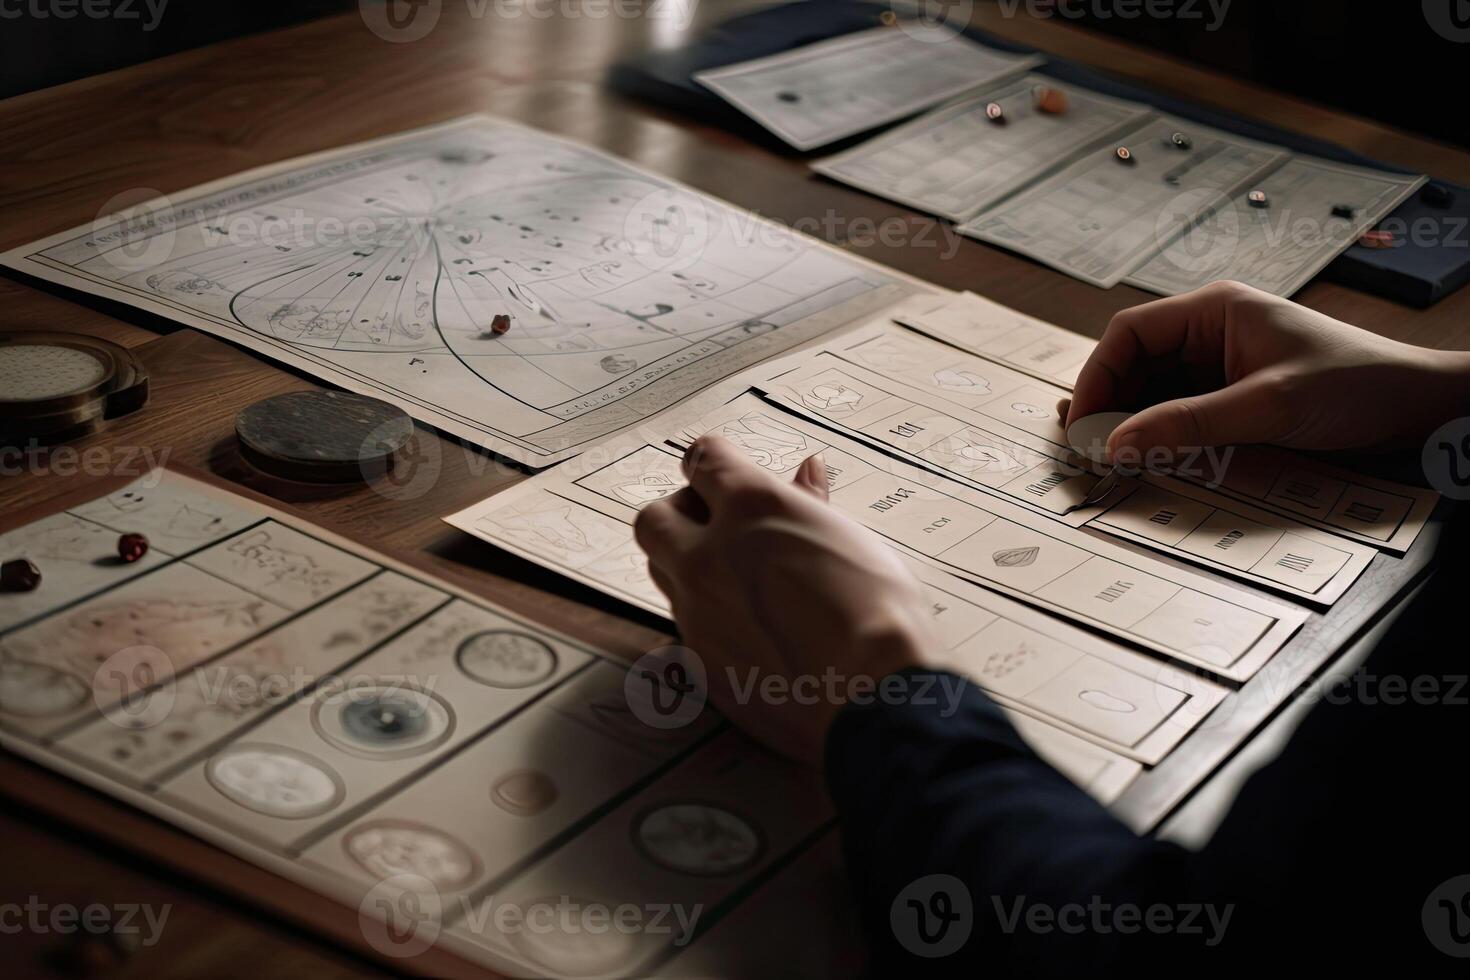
(1231, 364)
(768, 581)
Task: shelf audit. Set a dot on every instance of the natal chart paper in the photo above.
(380, 267)
(427, 758)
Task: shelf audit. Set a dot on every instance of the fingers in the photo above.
(1237, 414)
(717, 471)
(811, 476)
(666, 533)
(1190, 328)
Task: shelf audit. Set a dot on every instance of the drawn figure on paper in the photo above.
(1030, 411)
(976, 457)
(1015, 557)
(698, 839)
(548, 527)
(959, 379)
(387, 848)
(281, 566)
(275, 780)
(617, 364)
(652, 486)
(524, 792)
(563, 947)
(179, 631)
(36, 690)
(506, 658)
(1004, 662)
(772, 444)
(832, 397)
(387, 722)
(1104, 701)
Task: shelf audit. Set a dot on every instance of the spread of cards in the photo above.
(1104, 190)
(368, 731)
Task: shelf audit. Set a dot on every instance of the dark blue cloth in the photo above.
(1325, 861)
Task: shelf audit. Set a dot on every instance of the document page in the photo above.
(821, 93)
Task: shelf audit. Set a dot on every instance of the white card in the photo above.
(823, 92)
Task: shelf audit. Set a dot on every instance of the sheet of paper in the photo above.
(1005, 336)
(956, 160)
(1006, 443)
(1382, 513)
(1024, 658)
(1100, 218)
(578, 520)
(389, 741)
(1105, 775)
(944, 408)
(1280, 247)
(821, 93)
(380, 267)
(1017, 552)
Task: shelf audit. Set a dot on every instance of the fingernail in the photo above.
(1129, 450)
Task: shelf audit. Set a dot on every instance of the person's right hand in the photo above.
(1231, 364)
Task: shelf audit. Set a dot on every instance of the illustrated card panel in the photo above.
(1005, 336)
(1313, 211)
(1108, 213)
(689, 841)
(962, 157)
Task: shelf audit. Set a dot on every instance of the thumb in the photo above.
(1162, 433)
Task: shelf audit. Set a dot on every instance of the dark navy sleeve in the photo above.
(935, 786)
(1351, 848)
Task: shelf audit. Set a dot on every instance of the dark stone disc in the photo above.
(323, 436)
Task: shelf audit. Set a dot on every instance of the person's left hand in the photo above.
(792, 607)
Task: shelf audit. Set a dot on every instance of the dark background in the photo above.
(1377, 58)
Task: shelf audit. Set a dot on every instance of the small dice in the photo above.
(500, 324)
(131, 547)
(19, 575)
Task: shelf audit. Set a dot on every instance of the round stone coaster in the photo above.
(323, 436)
(1089, 436)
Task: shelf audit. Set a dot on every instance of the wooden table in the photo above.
(171, 124)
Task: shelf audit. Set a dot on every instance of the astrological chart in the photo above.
(389, 741)
(515, 289)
